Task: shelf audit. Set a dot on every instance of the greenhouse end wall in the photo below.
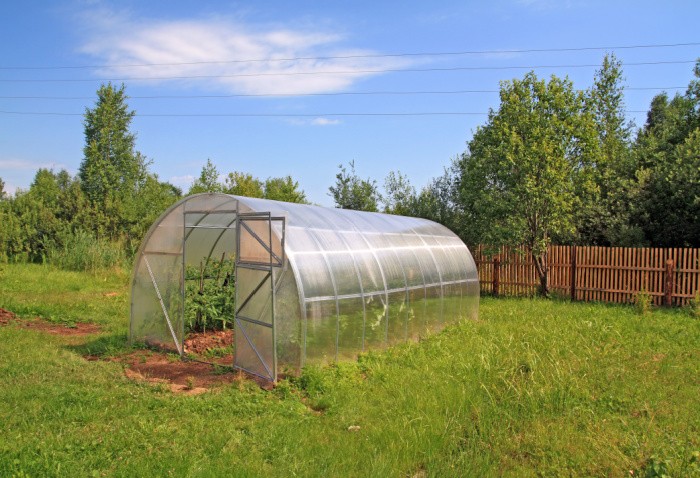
(346, 281)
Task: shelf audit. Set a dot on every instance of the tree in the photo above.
(2, 190)
(284, 189)
(400, 195)
(667, 152)
(111, 168)
(244, 184)
(351, 192)
(519, 172)
(208, 181)
(604, 185)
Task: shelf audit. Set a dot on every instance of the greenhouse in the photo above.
(299, 284)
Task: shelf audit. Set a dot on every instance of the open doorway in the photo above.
(209, 268)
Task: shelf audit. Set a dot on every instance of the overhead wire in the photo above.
(270, 115)
(340, 72)
(359, 56)
(286, 95)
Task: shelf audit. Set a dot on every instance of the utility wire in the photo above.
(285, 95)
(270, 115)
(342, 72)
(359, 56)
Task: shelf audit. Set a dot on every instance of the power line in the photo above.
(342, 72)
(359, 56)
(285, 95)
(270, 115)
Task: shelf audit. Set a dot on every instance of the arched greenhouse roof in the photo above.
(313, 284)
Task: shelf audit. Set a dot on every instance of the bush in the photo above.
(82, 251)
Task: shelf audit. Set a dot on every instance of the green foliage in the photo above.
(284, 189)
(642, 302)
(400, 195)
(111, 168)
(351, 192)
(209, 295)
(242, 184)
(519, 175)
(82, 251)
(208, 181)
(695, 305)
(607, 180)
(103, 213)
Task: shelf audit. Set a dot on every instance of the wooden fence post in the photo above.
(573, 273)
(668, 284)
(496, 275)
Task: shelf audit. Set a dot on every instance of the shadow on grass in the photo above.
(104, 346)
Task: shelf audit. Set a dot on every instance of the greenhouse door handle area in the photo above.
(259, 253)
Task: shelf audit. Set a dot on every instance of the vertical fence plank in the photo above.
(592, 273)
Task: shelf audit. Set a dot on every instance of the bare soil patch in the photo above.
(80, 328)
(6, 316)
(199, 343)
(184, 376)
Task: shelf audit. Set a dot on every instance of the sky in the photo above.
(298, 88)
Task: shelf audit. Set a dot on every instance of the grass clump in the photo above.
(642, 302)
(82, 251)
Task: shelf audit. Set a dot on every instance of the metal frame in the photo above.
(275, 261)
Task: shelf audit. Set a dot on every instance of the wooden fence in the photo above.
(589, 273)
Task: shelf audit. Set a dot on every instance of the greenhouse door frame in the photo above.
(256, 340)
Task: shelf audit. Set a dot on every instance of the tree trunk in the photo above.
(542, 273)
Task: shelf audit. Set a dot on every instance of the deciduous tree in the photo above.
(352, 192)
(519, 171)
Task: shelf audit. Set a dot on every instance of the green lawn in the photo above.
(533, 388)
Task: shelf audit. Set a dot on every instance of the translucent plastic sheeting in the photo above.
(346, 281)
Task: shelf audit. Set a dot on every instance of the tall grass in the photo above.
(82, 251)
(533, 388)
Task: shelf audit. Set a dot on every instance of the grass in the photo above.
(533, 388)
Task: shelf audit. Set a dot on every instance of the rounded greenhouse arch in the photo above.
(312, 284)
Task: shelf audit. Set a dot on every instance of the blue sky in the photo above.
(307, 115)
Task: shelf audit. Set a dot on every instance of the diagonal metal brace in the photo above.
(162, 305)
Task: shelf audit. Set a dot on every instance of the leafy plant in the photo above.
(695, 305)
(209, 295)
(642, 302)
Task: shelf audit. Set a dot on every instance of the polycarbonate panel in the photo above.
(254, 294)
(349, 280)
(321, 332)
(397, 328)
(254, 349)
(351, 327)
(158, 321)
(287, 322)
(254, 241)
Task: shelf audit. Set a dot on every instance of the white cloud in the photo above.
(324, 122)
(185, 180)
(115, 39)
(10, 189)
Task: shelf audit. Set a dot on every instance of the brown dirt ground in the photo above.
(198, 343)
(80, 328)
(184, 376)
(190, 377)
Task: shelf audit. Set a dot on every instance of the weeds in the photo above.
(642, 302)
(81, 251)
